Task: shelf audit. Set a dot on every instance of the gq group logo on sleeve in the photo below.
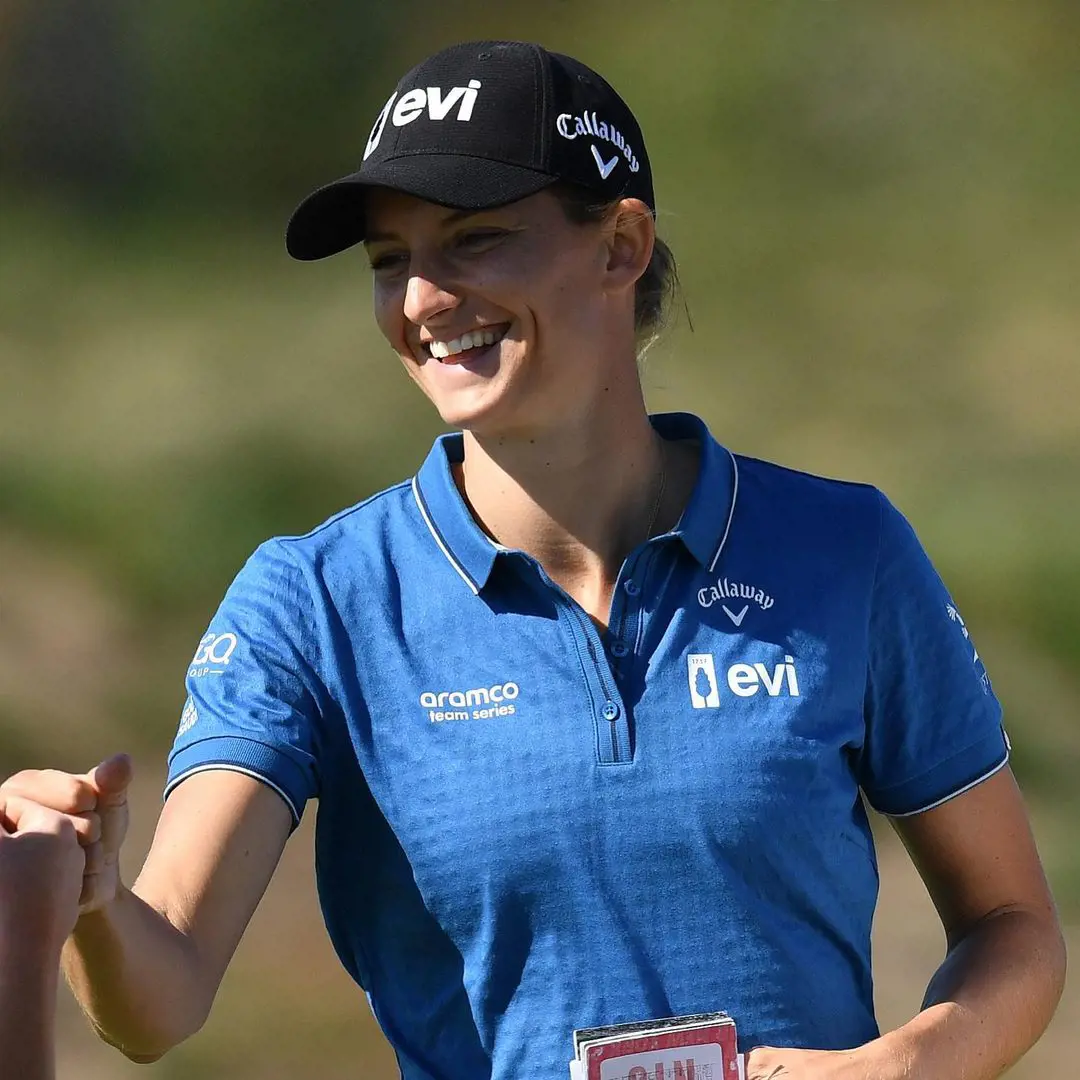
(213, 655)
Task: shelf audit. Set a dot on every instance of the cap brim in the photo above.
(331, 219)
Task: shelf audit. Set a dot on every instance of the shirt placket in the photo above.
(603, 696)
(623, 635)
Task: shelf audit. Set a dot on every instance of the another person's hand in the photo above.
(41, 873)
(95, 805)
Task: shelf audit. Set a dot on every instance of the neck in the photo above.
(565, 498)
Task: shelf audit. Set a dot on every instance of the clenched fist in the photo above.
(41, 869)
(95, 804)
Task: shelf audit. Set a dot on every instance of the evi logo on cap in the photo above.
(414, 103)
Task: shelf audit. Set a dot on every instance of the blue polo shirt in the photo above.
(527, 826)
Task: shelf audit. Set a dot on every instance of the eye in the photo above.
(387, 261)
(479, 239)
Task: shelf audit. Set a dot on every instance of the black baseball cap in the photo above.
(480, 125)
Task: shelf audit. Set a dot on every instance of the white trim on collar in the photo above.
(731, 511)
(438, 539)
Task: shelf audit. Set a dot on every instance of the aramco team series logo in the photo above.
(480, 703)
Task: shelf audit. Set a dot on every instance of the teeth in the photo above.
(471, 339)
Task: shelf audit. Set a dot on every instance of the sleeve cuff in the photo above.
(945, 781)
(265, 763)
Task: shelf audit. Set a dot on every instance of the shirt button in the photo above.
(632, 587)
(619, 648)
(610, 711)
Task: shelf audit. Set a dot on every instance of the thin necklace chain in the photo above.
(659, 493)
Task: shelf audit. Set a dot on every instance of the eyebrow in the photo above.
(450, 219)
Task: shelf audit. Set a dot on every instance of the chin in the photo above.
(485, 398)
(482, 413)
(475, 417)
(462, 406)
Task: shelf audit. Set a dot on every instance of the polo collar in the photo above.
(703, 528)
(706, 521)
(469, 550)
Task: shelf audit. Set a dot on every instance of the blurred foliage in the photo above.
(875, 211)
(126, 103)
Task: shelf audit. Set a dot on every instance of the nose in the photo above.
(427, 296)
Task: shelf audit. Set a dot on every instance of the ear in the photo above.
(629, 233)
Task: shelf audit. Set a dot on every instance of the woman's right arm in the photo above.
(145, 963)
(146, 966)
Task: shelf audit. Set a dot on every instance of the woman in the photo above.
(589, 703)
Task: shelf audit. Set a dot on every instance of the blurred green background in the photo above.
(875, 208)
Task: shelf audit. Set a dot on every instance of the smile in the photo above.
(482, 338)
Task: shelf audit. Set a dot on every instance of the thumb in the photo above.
(111, 779)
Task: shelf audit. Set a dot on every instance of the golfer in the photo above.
(591, 704)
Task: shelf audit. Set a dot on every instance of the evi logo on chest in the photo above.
(742, 679)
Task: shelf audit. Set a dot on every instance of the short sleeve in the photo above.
(933, 724)
(253, 695)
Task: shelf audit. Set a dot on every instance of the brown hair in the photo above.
(656, 289)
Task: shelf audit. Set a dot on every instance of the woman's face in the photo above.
(500, 316)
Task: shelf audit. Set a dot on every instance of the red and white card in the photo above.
(698, 1047)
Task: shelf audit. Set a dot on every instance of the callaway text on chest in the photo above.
(733, 590)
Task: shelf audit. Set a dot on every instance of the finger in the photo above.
(95, 859)
(764, 1066)
(114, 824)
(110, 780)
(26, 816)
(86, 892)
(87, 826)
(61, 791)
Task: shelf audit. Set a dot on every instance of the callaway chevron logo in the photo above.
(734, 597)
(589, 125)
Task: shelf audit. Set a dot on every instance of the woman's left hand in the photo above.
(774, 1063)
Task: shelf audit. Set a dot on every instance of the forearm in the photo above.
(137, 977)
(29, 974)
(986, 1005)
